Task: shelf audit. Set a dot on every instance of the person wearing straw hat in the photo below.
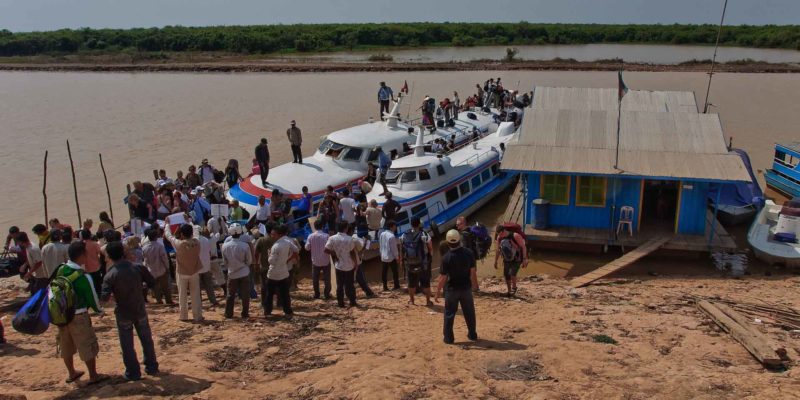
(457, 276)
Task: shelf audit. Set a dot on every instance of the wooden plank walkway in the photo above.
(515, 204)
(622, 262)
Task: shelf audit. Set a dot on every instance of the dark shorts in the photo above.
(510, 268)
(419, 280)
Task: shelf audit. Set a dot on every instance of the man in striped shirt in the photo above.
(320, 261)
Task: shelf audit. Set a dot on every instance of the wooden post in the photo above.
(108, 192)
(74, 186)
(44, 190)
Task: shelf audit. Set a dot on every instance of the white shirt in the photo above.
(34, 257)
(347, 206)
(263, 212)
(237, 258)
(207, 250)
(342, 245)
(389, 246)
(360, 244)
(316, 245)
(217, 225)
(53, 255)
(279, 258)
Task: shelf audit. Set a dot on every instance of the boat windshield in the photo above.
(341, 152)
(392, 176)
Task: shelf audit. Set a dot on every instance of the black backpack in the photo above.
(413, 251)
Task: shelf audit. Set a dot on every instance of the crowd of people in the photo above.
(174, 240)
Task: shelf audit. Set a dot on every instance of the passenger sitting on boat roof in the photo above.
(437, 146)
(163, 180)
(451, 145)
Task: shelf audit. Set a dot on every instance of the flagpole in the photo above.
(620, 93)
(714, 59)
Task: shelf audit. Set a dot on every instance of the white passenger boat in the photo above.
(343, 156)
(438, 188)
(761, 236)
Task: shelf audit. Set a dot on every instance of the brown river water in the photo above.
(145, 121)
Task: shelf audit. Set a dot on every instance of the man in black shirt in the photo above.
(458, 277)
(124, 281)
(390, 208)
(262, 157)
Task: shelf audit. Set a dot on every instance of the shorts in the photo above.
(419, 280)
(510, 268)
(78, 337)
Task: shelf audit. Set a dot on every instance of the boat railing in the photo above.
(477, 157)
(426, 214)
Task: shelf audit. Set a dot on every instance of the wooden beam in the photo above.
(756, 344)
(747, 324)
(646, 248)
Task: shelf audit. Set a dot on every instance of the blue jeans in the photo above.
(125, 332)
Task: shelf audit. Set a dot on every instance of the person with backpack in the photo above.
(511, 246)
(468, 240)
(75, 331)
(124, 281)
(416, 251)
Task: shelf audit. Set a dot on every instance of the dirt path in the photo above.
(550, 342)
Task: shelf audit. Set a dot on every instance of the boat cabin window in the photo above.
(409, 176)
(372, 156)
(486, 175)
(352, 154)
(495, 169)
(440, 169)
(464, 188)
(786, 159)
(392, 176)
(331, 149)
(424, 175)
(451, 195)
(419, 210)
(401, 218)
(476, 181)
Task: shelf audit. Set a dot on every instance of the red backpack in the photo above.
(513, 227)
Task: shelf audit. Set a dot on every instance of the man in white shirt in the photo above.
(238, 257)
(320, 260)
(278, 282)
(54, 253)
(390, 254)
(342, 248)
(208, 249)
(347, 207)
(35, 273)
(264, 211)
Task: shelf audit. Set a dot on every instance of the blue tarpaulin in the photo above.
(739, 194)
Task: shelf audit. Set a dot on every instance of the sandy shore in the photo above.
(541, 345)
(235, 64)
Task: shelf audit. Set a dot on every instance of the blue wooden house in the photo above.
(655, 183)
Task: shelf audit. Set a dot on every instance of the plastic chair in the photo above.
(625, 219)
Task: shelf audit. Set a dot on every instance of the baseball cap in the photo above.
(453, 236)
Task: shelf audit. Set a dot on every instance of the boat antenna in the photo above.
(714, 59)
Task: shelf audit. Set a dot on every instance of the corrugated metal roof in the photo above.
(569, 98)
(663, 144)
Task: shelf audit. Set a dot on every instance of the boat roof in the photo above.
(793, 146)
(368, 135)
(606, 99)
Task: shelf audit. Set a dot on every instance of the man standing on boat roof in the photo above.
(296, 140)
(384, 95)
(262, 157)
(384, 163)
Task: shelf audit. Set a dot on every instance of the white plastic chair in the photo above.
(625, 219)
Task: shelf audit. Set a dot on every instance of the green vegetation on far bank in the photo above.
(264, 39)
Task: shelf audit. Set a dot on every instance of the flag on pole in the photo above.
(623, 89)
(405, 87)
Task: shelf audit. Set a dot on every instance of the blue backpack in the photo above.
(34, 317)
(413, 251)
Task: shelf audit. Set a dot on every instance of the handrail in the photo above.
(476, 156)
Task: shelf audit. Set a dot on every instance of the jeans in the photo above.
(326, 275)
(281, 289)
(452, 298)
(240, 286)
(125, 331)
(190, 284)
(384, 274)
(297, 153)
(345, 284)
(361, 278)
(207, 284)
(384, 108)
(161, 290)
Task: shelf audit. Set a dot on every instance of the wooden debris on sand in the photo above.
(738, 327)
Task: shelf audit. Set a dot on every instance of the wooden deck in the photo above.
(722, 239)
(627, 259)
(515, 205)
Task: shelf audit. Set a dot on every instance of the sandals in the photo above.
(73, 378)
(100, 378)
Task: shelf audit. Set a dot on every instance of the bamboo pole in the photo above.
(74, 185)
(44, 189)
(108, 192)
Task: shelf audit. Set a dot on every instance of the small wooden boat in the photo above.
(784, 176)
(737, 203)
(769, 222)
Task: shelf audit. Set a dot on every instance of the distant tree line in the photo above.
(327, 37)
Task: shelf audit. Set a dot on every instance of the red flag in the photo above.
(405, 87)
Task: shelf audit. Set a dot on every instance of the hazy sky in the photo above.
(28, 15)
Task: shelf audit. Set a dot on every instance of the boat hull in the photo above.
(780, 184)
(767, 250)
(733, 216)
